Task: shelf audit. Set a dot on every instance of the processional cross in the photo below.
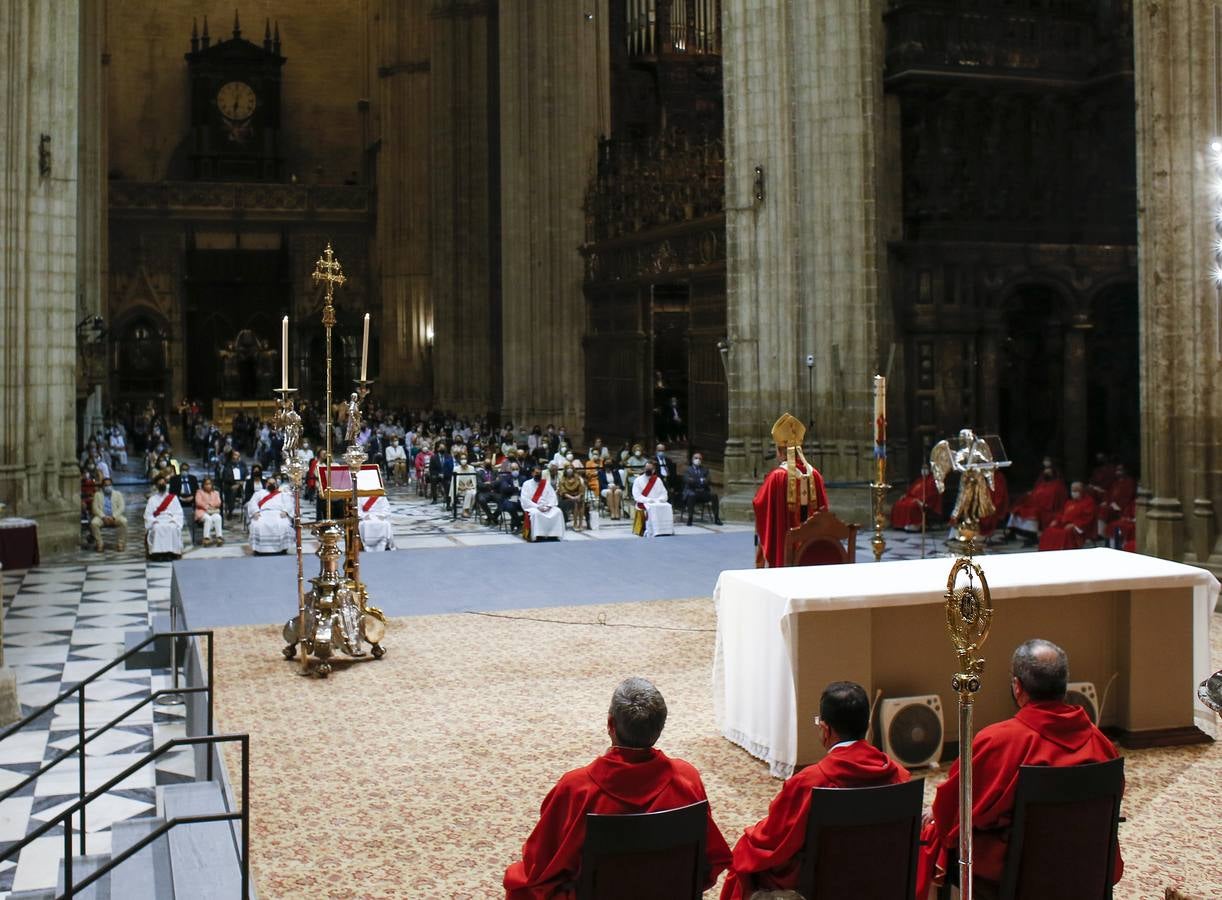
(327, 270)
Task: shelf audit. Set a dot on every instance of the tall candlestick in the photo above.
(365, 349)
(880, 412)
(284, 352)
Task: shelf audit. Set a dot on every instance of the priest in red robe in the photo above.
(1045, 731)
(631, 777)
(1120, 494)
(1073, 524)
(1000, 495)
(1035, 509)
(790, 494)
(767, 856)
(912, 510)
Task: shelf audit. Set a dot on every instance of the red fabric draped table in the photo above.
(18, 543)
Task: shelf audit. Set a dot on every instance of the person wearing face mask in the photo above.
(653, 516)
(572, 492)
(1073, 524)
(106, 511)
(611, 487)
(270, 513)
(463, 487)
(396, 461)
(163, 521)
(698, 489)
(208, 512)
(543, 518)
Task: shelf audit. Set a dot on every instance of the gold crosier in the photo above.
(969, 614)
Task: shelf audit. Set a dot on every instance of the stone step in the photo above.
(203, 857)
(39, 894)
(82, 866)
(145, 876)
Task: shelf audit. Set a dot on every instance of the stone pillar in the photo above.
(805, 262)
(404, 254)
(92, 226)
(1174, 60)
(463, 306)
(38, 221)
(554, 105)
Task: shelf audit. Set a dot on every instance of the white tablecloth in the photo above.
(753, 690)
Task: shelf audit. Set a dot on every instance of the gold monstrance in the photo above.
(335, 615)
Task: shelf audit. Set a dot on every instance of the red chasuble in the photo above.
(620, 781)
(907, 510)
(769, 849)
(268, 496)
(1046, 733)
(773, 516)
(1059, 535)
(169, 498)
(1043, 501)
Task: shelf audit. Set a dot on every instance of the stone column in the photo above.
(403, 241)
(805, 262)
(463, 306)
(1177, 94)
(554, 104)
(38, 221)
(92, 225)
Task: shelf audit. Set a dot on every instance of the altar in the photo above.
(783, 634)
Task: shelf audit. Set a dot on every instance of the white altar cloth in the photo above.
(753, 687)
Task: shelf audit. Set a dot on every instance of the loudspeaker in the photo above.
(910, 729)
(1083, 694)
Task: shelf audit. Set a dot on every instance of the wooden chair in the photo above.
(862, 842)
(817, 541)
(645, 856)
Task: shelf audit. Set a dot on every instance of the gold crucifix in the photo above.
(327, 269)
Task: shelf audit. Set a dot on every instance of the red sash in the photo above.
(165, 503)
(368, 504)
(267, 497)
(539, 490)
(653, 479)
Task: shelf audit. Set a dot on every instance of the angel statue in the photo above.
(289, 422)
(974, 461)
(354, 418)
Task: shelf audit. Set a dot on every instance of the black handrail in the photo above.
(79, 690)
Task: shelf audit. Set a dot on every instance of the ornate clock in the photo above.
(235, 106)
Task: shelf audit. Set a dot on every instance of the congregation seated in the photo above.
(377, 533)
(919, 505)
(632, 776)
(463, 486)
(542, 515)
(1046, 731)
(505, 490)
(1036, 508)
(233, 476)
(207, 511)
(162, 521)
(698, 488)
(767, 856)
(654, 515)
(571, 491)
(1074, 524)
(107, 511)
(396, 462)
(611, 488)
(1119, 496)
(665, 467)
(270, 514)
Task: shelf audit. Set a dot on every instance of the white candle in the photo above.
(365, 349)
(284, 352)
(880, 409)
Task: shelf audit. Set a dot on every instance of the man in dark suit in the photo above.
(666, 469)
(698, 489)
(184, 485)
(233, 475)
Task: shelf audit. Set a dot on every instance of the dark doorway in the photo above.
(671, 317)
(1032, 388)
(141, 361)
(1113, 401)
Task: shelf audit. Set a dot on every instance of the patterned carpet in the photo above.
(420, 775)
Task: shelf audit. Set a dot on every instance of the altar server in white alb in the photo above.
(376, 531)
(270, 513)
(163, 521)
(654, 515)
(543, 516)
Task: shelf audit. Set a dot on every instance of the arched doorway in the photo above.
(1113, 377)
(140, 360)
(1032, 386)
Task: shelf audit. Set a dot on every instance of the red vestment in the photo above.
(769, 849)
(1101, 479)
(906, 513)
(1043, 501)
(1068, 531)
(1122, 492)
(1000, 493)
(620, 781)
(773, 517)
(1043, 733)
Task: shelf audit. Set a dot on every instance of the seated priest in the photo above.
(1036, 508)
(654, 515)
(542, 516)
(1046, 731)
(790, 494)
(767, 856)
(1116, 499)
(999, 494)
(270, 513)
(912, 511)
(1070, 528)
(376, 531)
(163, 521)
(632, 776)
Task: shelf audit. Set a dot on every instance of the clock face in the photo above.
(236, 101)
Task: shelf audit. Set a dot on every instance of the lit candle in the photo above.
(284, 352)
(880, 413)
(365, 349)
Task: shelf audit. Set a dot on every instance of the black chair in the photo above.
(862, 842)
(645, 856)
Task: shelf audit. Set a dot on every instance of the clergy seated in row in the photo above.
(464, 483)
(791, 494)
(542, 517)
(631, 777)
(374, 522)
(163, 521)
(767, 856)
(270, 514)
(919, 506)
(653, 516)
(1046, 731)
(1036, 508)
(1119, 496)
(1074, 525)
(999, 493)
(571, 493)
(1101, 476)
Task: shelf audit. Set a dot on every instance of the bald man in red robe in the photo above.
(767, 857)
(1073, 524)
(922, 497)
(1046, 731)
(631, 777)
(1035, 509)
(790, 494)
